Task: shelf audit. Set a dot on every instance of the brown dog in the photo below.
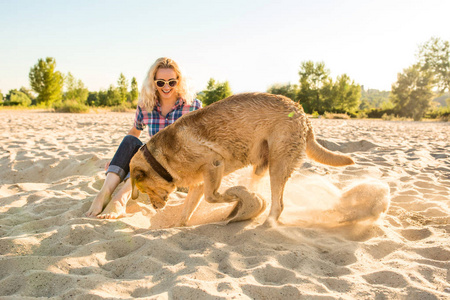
(263, 130)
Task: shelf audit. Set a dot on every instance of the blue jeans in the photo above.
(120, 164)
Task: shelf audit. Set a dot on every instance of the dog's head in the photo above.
(145, 179)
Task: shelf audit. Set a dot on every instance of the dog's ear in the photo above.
(137, 175)
(134, 190)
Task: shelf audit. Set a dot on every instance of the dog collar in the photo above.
(155, 164)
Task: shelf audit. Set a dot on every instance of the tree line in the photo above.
(47, 84)
(418, 84)
(410, 96)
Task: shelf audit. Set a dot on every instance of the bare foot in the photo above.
(97, 205)
(115, 209)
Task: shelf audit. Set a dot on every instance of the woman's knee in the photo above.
(131, 142)
(131, 139)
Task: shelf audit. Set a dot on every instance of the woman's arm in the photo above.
(133, 131)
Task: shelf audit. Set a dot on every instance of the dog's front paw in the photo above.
(181, 224)
(249, 205)
(270, 223)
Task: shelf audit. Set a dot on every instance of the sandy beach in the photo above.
(379, 229)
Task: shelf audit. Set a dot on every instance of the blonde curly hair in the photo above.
(149, 94)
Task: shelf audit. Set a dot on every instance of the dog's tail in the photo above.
(322, 155)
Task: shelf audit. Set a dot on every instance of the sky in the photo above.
(252, 44)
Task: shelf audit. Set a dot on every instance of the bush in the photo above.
(315, 114)
(361, 115)
(124, 107)
(328, 115)
(387, 117)
(17, 98)
(71, 107)
(376, 113)
(393, 117)
(445, 118)
(442, 113)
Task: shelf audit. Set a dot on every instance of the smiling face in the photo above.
(167, 93)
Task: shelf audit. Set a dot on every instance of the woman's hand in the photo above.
(107, 166)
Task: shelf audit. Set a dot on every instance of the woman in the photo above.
(164, 98)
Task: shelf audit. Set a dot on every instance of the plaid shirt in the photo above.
(156, 121)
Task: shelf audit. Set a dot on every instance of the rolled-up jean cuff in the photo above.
(117, 170)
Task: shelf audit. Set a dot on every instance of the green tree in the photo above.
(113, 96)
(134, 92)
(412, 93)
(102, 96)
(29, 93)
(46, 81)
(214, 92)
(313, 78)
(434, 57)
(328, 94)
(75, 89)
(92, 99)
(15, 97)
(1, 98)
(345, 96)
(122, 88)
(387, 104)
(373, 98)
(288, 90)
(319, 93)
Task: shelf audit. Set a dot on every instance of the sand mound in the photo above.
(341, 238)
(348, 147)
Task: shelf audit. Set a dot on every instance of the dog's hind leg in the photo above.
(260, 166)
(279, 171)
(255, 179)
(192, 201)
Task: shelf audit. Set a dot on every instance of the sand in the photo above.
(379, 229)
